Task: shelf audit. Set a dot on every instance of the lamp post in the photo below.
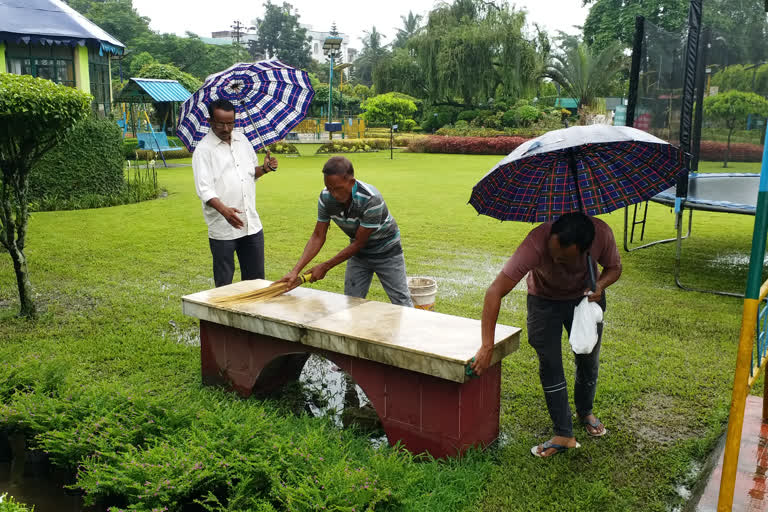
(331, 48)
(340, 68)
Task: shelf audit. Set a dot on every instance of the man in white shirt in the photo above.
(226, 168)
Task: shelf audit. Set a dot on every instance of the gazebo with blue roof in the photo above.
(49, 39)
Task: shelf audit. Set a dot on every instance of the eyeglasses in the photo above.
(223, 125)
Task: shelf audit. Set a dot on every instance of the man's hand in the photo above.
(292, 278)
(270, 162)
(482, 360)
(318, 272)
(231, 215)
(596, 295)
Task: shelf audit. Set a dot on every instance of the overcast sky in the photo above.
(351, 16)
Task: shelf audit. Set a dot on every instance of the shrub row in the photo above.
(740, 152)
(465, 145)
(360, 145)
(140, 185)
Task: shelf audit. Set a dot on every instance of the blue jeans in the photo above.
(546, 319)
(391, 273)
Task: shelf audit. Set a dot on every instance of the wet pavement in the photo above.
(751, 493)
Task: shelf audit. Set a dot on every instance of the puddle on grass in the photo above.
(31, 479)
(734, 259)
(328, 392)
(686, 489)
(189, 337)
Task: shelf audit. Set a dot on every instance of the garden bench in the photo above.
(156, 141)
(410, 363)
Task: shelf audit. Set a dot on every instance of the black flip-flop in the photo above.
(549, 444)
(595, 425)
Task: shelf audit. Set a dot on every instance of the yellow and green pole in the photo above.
(746, 341)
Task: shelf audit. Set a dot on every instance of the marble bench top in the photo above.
(423, 341)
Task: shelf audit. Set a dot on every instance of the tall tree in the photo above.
(584, 72)
(743, 26)
(280, 36)
(117, 17)
(472, 51)
(411, 26)
(373, 52)
(400, 72)
(611, 21)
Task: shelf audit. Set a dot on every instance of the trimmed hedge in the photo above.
(740, 152)
(360, 145)
(89, 160)
(465, 145)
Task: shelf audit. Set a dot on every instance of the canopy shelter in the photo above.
(52, 22)
(164, 94)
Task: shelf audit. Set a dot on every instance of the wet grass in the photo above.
(109, 281)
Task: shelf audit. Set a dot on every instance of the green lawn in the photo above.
(107, 365)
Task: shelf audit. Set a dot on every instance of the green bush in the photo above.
(509, 119)
(526, 115)
(467, 115)
(438, 117)
(89, 160)
(9, 504)
(409, 125)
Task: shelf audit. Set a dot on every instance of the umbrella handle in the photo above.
(591, 270)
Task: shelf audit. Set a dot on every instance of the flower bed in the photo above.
(740, 151)
(465, 145)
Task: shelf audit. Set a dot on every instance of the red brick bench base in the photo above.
(424, 413)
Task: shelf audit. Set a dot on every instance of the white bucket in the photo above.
(423, 291)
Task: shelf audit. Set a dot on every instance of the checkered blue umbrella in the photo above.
(595, 169)
(270, 99)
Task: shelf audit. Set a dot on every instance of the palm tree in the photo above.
(411, 26)
(372, 53)
(582, 72)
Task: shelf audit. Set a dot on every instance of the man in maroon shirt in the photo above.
(554, 257)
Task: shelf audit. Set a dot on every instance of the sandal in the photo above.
(598, 429)
(547, 445)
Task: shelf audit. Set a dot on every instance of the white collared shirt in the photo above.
(227, 171)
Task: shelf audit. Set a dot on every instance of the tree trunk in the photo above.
(28, 309)
(727, 150)
(14, 216)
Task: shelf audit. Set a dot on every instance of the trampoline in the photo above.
(710, 192)
(717, 192)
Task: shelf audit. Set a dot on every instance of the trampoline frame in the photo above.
(709, 206)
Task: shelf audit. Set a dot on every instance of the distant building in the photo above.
(227, 37)
(316, 45)
(316, 40)
(49, 39)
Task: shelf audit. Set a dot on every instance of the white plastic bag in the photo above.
(586, 316)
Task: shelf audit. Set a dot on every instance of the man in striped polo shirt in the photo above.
(374, 238)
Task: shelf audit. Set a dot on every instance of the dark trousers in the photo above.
(546, 319)
(250, 254)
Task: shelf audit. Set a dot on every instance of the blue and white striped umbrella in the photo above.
(270, 99)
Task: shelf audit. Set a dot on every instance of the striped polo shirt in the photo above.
(367, 209)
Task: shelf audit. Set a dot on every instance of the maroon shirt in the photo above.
(557, 281)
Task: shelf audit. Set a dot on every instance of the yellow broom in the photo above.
(260, 295)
